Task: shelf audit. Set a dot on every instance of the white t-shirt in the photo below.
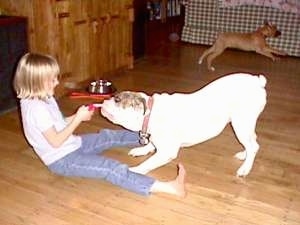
(37, 117)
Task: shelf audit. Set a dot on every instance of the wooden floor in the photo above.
(31, 195)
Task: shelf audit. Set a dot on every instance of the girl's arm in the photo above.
(69, 118)
(57, 138)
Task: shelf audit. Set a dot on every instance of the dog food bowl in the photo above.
(101, 87)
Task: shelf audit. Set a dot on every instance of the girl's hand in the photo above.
(84, 114)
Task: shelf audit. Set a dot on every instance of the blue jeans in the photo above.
(87, 161)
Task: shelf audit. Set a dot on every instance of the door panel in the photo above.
(94, 37)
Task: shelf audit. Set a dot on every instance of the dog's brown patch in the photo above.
(127, 99)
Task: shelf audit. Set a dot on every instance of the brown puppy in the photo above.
(254, 41)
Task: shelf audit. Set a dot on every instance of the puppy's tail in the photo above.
(262, 80)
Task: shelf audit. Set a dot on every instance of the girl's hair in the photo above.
(32, 73)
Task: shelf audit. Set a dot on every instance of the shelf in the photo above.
(161, 31)
(155, 32)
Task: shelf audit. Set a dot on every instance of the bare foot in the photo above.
(173, 187)
(179, 183)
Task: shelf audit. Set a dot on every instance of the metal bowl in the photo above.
(101, 87)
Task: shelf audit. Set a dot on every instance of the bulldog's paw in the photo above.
(140, 151)
(244, 170)
(241, 155)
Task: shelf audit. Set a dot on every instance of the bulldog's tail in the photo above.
(262, 80)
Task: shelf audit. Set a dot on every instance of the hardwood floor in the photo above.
(30, 194)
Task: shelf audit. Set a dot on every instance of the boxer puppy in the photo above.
(254, 41)
(167, 122)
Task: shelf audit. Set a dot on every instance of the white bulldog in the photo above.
(180, 120)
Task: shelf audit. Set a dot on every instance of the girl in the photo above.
(51, 135)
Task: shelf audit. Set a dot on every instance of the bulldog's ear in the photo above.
(143, 101)
(143, 95)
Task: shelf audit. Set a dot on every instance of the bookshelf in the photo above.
(162, 22)
(163, 10)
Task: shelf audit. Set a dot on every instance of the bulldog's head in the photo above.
(126, 109)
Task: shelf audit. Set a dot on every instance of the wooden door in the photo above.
(95, 37)
(112, 31)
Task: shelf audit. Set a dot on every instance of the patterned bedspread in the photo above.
(292, 6)
(205, 18)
